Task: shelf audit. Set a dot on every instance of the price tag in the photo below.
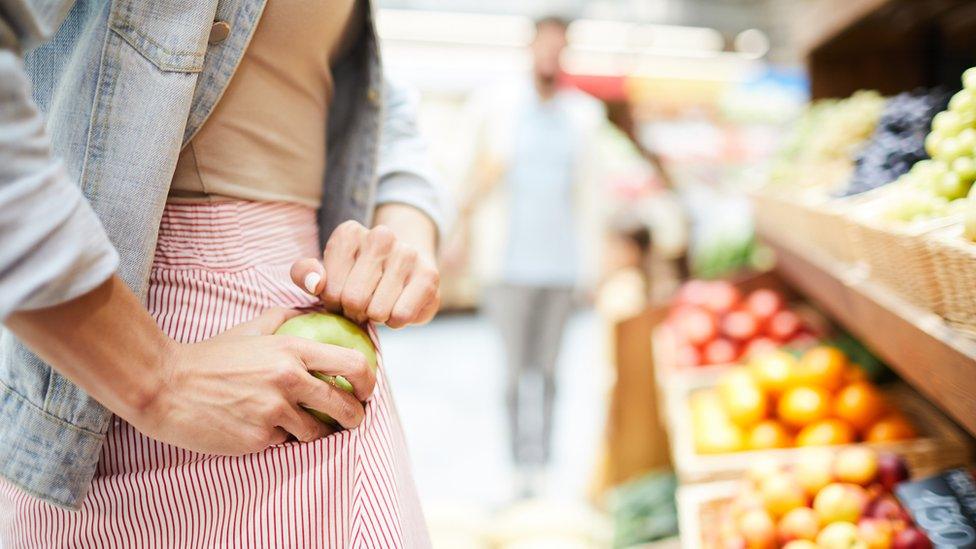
(944, 507)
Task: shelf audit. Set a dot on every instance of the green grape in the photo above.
(963, 101)
(966, 140)
(969, 79)
(965, 166)
(933, 144)
(950, 149)
(948, 123)
(951, 186)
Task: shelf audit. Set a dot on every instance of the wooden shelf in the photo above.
(937, 360)
(886, 45)
(829, 19)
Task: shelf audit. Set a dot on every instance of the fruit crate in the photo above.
(901, 259)
(790, 217)
(670, 378)
(941, 444)
(955, 273)
(700, 508)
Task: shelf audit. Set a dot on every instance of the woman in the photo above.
(218, 142)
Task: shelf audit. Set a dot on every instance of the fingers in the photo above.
(302, 425)
(266, 323)
(309, 275)
(339, 257)
(377, 246)
(390, 286)
(337, 361)
(421, 295)
(340, 405)
(370, 276)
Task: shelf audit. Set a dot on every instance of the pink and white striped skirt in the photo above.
(217, 265)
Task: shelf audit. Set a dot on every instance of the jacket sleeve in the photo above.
(52, 246)
(405, 174)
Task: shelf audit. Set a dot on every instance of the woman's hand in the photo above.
(244, 389)
(371, 274)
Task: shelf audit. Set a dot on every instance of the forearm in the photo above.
(105, 342)
(411, 226)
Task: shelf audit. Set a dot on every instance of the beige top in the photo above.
(265, 139)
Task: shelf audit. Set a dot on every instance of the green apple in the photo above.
(331, 329)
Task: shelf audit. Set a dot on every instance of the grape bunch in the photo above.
(938, 187)
(898, 141)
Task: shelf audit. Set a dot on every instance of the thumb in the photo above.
(309, 275)
(266, 323)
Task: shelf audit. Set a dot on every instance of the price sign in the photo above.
(944, 507)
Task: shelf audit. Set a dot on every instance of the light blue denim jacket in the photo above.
(124, 84)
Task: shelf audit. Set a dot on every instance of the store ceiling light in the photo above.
(752, 42)
(440, 27)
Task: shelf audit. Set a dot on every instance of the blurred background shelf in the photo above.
(887, 45)
(936, 359)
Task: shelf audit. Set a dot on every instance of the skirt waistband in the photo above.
(234, 234)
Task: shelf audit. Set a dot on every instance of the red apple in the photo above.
(840, 502)
(719, 351)
(887, 507)
(740, 325)
(696, 326)
(911, 538)
(799, 523)
(764, 303)
(783, 325)
(877, 533)
(892, 469)
(721, 297)
(758, 529)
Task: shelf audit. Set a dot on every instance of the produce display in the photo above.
(898, 141)
(938, 187)
(820, 150)
(780, 401)
(823, 500)
(715, 324)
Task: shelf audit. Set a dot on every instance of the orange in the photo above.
(860, 404)
(889, 428)
(745, 403)
(801, 406)
(719, 438)
(826, 432)
(773, 371)
(823, 367)
(768, 434)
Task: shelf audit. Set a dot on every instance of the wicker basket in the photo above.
(941, 445)
(901, 259)
(808, 224)
(955, 273)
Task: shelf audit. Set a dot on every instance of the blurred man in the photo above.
(534, 230)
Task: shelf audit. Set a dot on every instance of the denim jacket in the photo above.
(124, 84)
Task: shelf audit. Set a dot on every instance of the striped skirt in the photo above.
(217, 265)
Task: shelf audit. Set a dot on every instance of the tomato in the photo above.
(783, 325)
(764, 303)
(721, 297)
(720, 351)
(740, 325)
(696, 326)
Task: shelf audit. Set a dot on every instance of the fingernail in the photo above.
(312, 280)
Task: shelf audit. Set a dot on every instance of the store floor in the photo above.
(448, 381)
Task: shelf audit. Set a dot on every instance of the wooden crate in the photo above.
(941, 443)
(672, 381)
(699, 509)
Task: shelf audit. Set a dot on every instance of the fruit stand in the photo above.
(870, 210)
